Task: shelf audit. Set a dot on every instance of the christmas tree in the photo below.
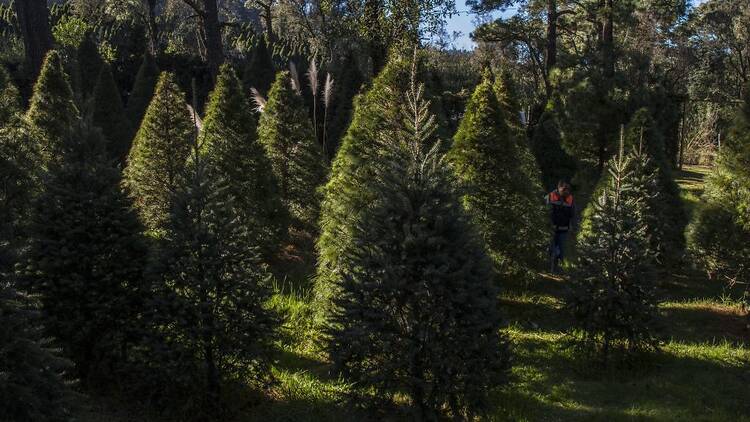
(108, 113)
(296, 157)
(612, 299)
(85, 254)
(10, 100)
(501, 197)
(415, 286)
(159, 151)
(143, 90)
(212, 293)
(349, 191)
(229, 138)
(666, 231)
(52, 111)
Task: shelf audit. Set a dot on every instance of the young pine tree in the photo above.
(667, 230)
(500, 195)
(143, 90)
(108, 114)
(35, 385)
(229, 139)
(296, 157)
(718, 235)
(159, 151)
(213, 291)
(415, 286)
(612, 299)
(259, 71)
(52, 111)
(349, 189)
(85, 255)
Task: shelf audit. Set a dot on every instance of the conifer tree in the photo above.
(501, 197)
(349, 79)
(296, 157)
(212, 292)
(85, 254)
(52, 111)
(159, 151)
(108, 113)
(348, 190)
(612, 299)
(718, 235)
(10, 100)
(259, 72)
(89, 66)
(507, 97)
(546, 144)
(415, 286)
(143, 90)
(666, 231)
(35, 385)
(229, 138)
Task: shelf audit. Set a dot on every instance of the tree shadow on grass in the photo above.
(552, 382)
(706, 322)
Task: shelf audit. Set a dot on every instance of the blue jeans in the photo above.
(558, 243)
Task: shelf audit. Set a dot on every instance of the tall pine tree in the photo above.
(612, 300)
(52, 111)
(296, 157)
(108, 113)
(718, 235)
(415, 285)
(500, 195)
(159, 151)
(212, 295)
(143, 90)
(85, 255)
(229, 139)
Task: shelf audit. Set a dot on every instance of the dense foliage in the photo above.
(719, 231)
(296, 156)
(415, 286)
(92, 303)
(500, 195)
(211, 320)
(229, 138)
(159, 152)
(108, 113)
(52, 111)
(612, 297)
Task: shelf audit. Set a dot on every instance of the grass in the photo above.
(702, 372)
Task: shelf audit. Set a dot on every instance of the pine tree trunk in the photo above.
(153, 29)
(212, 31)
(33, 19)
(551, 56)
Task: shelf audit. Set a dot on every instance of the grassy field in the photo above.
(702, 372)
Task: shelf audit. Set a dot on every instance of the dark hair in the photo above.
(562, 183)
